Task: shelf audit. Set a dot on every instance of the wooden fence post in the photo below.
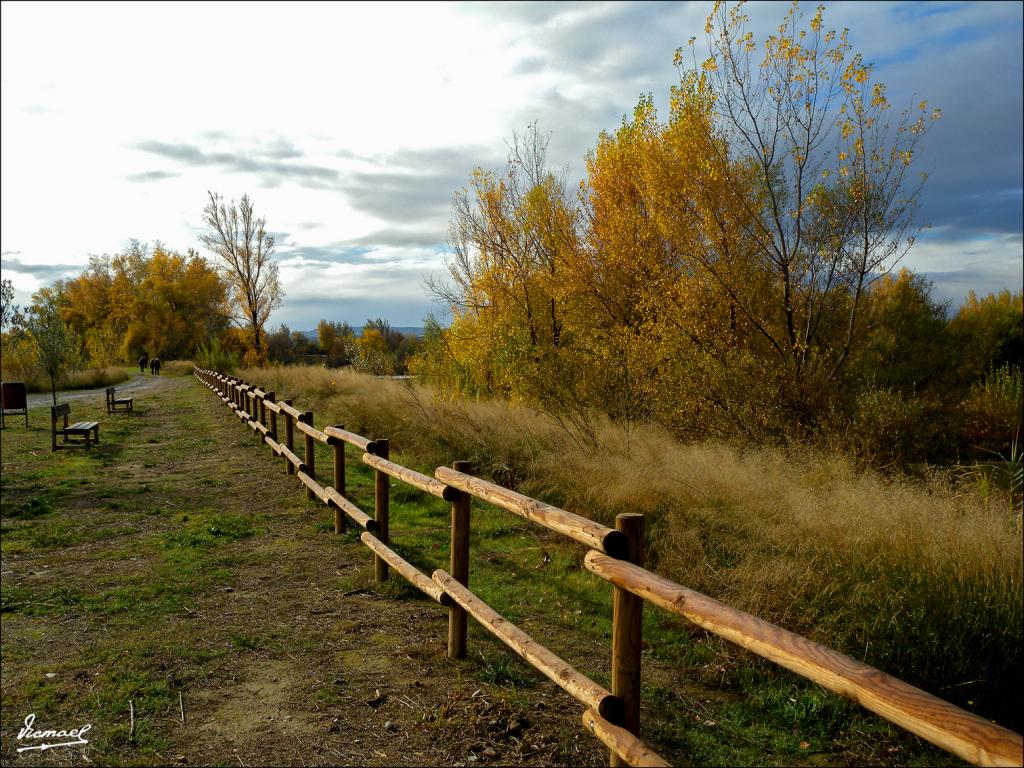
(459, 565)
(289, 438)
(273, 416)
(309, 457)
(263, 409)
(627, 632)
(381, 495)
(339, 480)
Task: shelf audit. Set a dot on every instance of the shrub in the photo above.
(215, 357)
(994, 411)
(179, 367)
(93, 378)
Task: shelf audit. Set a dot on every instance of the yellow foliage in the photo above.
(712, 274)
(163, 304)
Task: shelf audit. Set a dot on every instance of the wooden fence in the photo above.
(616, 555)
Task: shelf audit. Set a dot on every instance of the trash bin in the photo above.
(13, 400)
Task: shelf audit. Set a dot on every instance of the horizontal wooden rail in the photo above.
(351, 438)
(412, 477)
(295, 413)
(417, 578)
(274, 445)
(312, 431)
(594, 535)
(943, 724)
(260, 428)
(350, 509)
(573, 682)
(299, 464)
(318, 490)
(622, 742)
(272, 406)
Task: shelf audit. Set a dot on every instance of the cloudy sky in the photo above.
(351, 125)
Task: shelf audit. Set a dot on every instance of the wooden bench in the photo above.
(117, 403)
(89, 431)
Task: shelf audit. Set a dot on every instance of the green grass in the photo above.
(34, 507)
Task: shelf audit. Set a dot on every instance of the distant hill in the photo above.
(408, 330)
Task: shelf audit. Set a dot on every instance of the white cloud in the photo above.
(351, 124)
(956, 266)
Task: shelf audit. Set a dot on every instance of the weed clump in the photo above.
(37, 506)
(202, 531)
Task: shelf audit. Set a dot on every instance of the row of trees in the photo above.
(158, 301)
(379, 349)
(145, 300)
(727, 271)
(169, 305)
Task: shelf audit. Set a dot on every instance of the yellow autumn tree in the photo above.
(808, 175)
(510, 235)
(714, 273)
(161, 303)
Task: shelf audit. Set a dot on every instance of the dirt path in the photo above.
(140, 382)
(173, 589)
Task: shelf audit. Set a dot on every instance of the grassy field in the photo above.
(176, 569)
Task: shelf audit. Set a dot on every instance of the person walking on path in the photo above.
(142, 363)
(154, 366)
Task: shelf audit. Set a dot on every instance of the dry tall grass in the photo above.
(177, 367)
(921, 579)
(88, 378)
